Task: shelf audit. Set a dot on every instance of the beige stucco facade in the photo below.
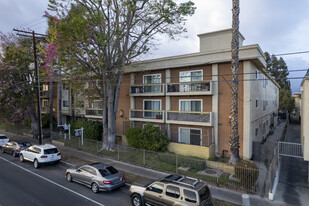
(305, 116)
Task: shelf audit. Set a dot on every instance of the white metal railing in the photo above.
(290, 149)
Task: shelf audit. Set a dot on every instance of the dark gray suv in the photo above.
(173, 190)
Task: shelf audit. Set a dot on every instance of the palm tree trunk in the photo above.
(234, 135)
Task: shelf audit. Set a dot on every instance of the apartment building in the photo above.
(189, 97)
(72, 104)
(305, 116)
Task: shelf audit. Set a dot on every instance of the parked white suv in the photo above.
(3, 139)
(41, 154)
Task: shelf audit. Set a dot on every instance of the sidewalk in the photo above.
(217, 192)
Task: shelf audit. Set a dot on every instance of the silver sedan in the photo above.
(97, 176)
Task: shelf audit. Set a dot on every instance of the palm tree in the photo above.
(234, 135)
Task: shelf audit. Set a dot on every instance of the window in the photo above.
(45, 87)
(190, 105)
(264, 127)
(108, 171)
(257, 74)
(190, 76)
(172, 191)
(65, 86)
(256, 131)
(190, 136)
(45, 103)
(98, 104)
(152, 79)
(65, 103)
(156, 187)
(256, 103)
(51, 151)
(152, 105)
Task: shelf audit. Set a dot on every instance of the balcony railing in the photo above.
(147, 115)
(44, 94)
(94, 112)
(200, 118)
(147, 89)
(202, 87)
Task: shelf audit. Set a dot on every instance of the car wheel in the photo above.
(95, 187)
(68, 176)
(14, 153)
(136, 200)
(36, 164)
(21, 158)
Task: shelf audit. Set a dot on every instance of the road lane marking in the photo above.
(48, 180)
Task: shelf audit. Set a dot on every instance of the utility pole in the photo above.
(36, 72)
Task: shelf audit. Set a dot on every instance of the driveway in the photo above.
(293, 187)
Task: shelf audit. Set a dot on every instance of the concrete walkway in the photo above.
(293, 187)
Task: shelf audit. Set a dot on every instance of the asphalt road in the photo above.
(21, 184)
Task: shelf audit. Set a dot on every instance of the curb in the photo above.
(66, 163)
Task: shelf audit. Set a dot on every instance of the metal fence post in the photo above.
(176, 164)
(97, 147)
(79, 143)
(144, 158)
(118, 153)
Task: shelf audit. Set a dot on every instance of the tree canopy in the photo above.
(98, 37)
(16, 78)
(279, 70)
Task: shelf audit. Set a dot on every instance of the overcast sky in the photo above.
(278, 26)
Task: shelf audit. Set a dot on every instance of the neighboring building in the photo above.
(295, 114)
(305, 116)
(189, 97)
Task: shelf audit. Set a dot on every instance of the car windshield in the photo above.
(3, 137)
(51, 151)
(204, 193)
(108, 171)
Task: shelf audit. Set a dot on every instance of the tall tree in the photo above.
(279, 70)
(98, 37)
(234, 135)
(17, 80)
(48, 63)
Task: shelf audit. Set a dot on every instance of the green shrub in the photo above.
(92, 129)
(247, 172)
(46, 121)
(149, 138)
(133, 136)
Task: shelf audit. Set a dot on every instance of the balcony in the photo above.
(44, 94)
(147, 90)
(189, 118)
(189, 88)
(94, 113)
(147, 115)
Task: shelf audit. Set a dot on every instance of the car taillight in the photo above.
(107, 182)
(43, 156)
(123, 177)
(20, 148)
(58, 154)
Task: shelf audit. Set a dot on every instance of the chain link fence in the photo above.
(214, 173)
